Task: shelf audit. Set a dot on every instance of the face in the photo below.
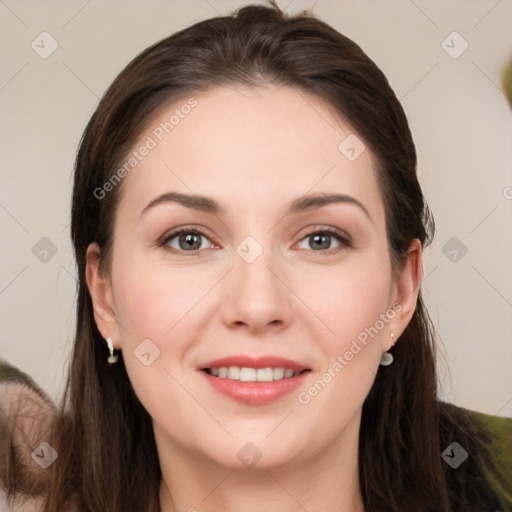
(250, 246)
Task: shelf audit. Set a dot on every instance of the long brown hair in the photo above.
(107, 454)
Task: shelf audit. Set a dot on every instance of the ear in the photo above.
(405, 293)
(100, 290)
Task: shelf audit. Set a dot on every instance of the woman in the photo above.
(248, 228)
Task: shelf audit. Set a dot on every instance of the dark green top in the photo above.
(499, 430)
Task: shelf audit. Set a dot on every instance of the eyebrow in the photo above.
(315, 201)
(194, 201)
(301, 204)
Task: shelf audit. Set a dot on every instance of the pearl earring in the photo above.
(112, 359)
(386, 358)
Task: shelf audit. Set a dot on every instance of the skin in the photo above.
(253, 150)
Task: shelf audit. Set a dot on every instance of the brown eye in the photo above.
(187, 240)
(320, 241)
(324, 240)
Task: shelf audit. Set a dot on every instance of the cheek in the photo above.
(354, 304)
(358, 310)
(152, 301)
(152, 304)
(355, 312)
(349, 299)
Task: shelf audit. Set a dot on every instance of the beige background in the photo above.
(459, 117)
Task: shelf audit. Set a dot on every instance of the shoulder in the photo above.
(20, 395)
(25, 504)
(483, 443)
(498, 433)
(26, 411)
(8, 504)
(26, 414)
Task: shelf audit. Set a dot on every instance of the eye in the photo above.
(321, 240)
(192, 240)
(187, 240)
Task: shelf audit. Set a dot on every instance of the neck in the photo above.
(328, 483)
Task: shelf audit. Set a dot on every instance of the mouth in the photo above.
(248, 374)
(255, 381)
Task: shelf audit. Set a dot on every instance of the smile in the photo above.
(246, 374)
(254, 380)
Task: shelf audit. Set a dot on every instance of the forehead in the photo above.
(250, 146)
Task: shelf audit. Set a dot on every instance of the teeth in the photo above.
(247, 374)
(234, 373)
(252, 374)
(264, 374)
(278, 373)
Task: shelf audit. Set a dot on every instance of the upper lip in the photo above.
(246, 361)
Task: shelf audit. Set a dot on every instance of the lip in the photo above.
(245, 361)
(255, 393)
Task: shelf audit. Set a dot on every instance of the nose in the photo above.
(257, 298)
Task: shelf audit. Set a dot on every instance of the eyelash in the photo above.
(344, 240)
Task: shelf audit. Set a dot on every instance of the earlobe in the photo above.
(407, 288)
(101, 294)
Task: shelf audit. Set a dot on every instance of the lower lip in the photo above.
(255, 393)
